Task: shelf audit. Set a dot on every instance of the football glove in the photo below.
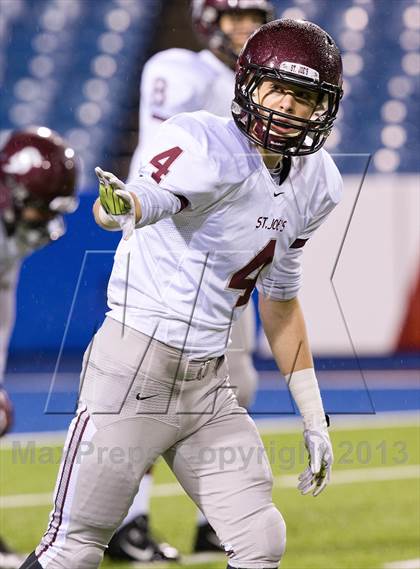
(315, 478)
(6, 412)
(116, 201)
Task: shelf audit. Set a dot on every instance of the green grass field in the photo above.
(368, 517)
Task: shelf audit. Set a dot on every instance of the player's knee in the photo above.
(272, 533)
(269, 539)
(88, 556)
(262, 543)
(275, 535)
(83, 547)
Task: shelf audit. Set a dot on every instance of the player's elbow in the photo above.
(276, 315)
(277, 310)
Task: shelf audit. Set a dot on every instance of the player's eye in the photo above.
(277, 88)
(305, 97)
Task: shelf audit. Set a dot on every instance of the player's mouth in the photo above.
(283, 129)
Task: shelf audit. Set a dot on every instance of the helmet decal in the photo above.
(23, 161)
(299, 69)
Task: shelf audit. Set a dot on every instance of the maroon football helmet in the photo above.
(37, 166)
(301, 55)
(37, 170)
(206, 15)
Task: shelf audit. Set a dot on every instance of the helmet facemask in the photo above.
(46, 223)
(259, 122)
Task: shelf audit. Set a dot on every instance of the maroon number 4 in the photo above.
(163, 162)
(241, 279)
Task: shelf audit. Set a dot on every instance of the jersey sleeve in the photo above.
(180, 161)
(283, 280)
(325, 196)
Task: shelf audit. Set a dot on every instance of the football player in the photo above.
(37, 185)
(176, 81)
(220, 206)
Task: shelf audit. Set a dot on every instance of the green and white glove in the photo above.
(116, 201)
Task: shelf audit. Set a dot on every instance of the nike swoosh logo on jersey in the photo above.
(139, 398)
(278, 194)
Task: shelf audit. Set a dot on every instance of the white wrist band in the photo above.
(304, 388)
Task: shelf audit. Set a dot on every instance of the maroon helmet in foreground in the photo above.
(297, 53)
(38, 167)
(206, 15)
(38, 173)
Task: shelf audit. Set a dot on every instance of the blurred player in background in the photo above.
(37, 185)
(176, 81)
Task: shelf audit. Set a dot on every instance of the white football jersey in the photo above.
(184, 278)
(177, 81)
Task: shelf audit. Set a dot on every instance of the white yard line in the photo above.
(265, 426)
(344, 422)
(45, 438)
(406, 564)
(25, 500)
(288, 481)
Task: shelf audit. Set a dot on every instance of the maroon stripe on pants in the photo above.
(62, 473)
(65, 480)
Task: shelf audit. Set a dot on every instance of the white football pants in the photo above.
(140, 399)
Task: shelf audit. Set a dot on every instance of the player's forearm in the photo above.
(105, 221)
(285, 328)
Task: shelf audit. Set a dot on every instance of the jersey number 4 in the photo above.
(163, 162)
(242, 280)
